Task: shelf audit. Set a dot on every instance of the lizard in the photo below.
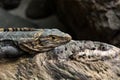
(31, 40)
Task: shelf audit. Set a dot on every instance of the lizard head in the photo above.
(53, 38)
(47, 40)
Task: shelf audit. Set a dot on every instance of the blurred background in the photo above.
(27, 13)
(82, 19)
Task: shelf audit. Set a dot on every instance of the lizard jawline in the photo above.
(29, 49)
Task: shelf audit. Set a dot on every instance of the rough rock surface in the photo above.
(62, 63)
(90, 19)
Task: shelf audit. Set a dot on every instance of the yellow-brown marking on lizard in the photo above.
(15, 29)
(34, 44)
(38, 34)
(1, 29)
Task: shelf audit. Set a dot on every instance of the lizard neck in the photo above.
(17, 35)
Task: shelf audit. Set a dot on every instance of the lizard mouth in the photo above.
(67, 37)
(37, 49)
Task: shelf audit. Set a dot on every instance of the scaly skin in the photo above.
(34, 40)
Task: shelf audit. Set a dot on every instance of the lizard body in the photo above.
(34, 40)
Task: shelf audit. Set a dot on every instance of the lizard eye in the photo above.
(53, 37)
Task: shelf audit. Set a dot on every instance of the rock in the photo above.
(47, 65)
(86, 51)
(8, 20)
(9, 4)
(38, 9)
(90, 19)
(116, 39)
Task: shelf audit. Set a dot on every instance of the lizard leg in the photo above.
(9, 52)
